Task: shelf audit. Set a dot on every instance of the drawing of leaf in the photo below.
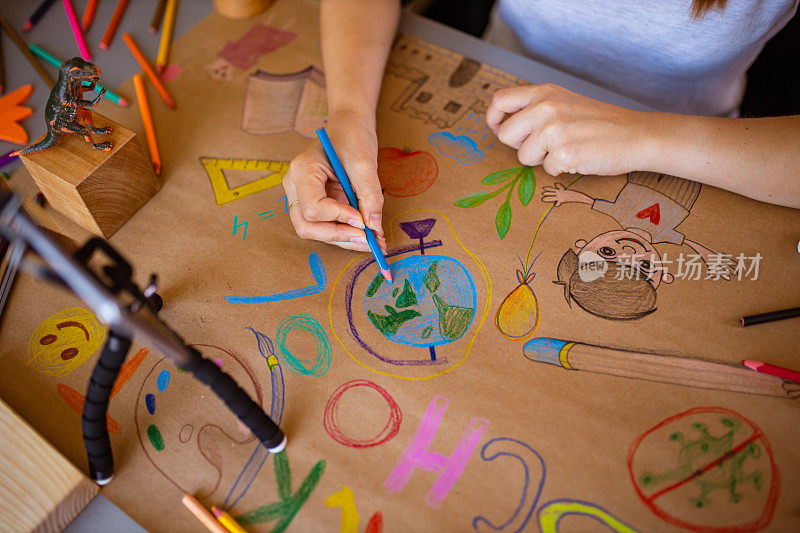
(375, 285)
(526, 186)
(500, 176)
(473, 199)
(503, 219)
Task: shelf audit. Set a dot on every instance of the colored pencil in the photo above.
(49, 58)
(2, 69)
(139, 56)
(108, 36)
(9, 260)
(227, 520)
(202, 514)
(344, 181)
(147, 120)
(7, 158)
(88, 14)
(166, 35)
(773, 370)
(76, 30)
(14, 36)
(157, 16)
(38, 14)
(677, 370)
(770, 317)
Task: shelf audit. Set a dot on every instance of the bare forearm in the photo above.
(758, 158)
(356, 38)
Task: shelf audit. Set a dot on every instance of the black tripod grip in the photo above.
(93, 419)
(237, 401)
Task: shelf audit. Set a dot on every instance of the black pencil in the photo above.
(38, 14)
(770, 317)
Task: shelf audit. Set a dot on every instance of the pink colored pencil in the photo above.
(76, 30)
(772, 370)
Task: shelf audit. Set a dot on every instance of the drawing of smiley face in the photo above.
(64, 341)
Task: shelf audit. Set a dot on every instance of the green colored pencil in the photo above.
(53, 60)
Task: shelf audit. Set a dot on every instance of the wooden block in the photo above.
(40, 490)
(42, 219)
(98, 190)
(240, 9)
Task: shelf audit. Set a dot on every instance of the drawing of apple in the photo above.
(406, 173)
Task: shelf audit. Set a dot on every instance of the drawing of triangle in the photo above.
(224, 194)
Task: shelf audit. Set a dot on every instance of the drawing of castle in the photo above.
(443, 86)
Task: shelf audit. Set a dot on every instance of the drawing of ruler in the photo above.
(215, 167)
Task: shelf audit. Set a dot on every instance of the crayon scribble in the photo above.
(310, 324)
(64, 341)
(320, 281)
(290, 503)
(259, 40)
(331, 416)
(418, 454)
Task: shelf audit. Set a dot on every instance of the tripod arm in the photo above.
(125, 320)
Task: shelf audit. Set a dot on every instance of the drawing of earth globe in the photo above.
(431, 302)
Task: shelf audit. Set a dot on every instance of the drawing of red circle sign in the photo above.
(331, 422)
(708, 469)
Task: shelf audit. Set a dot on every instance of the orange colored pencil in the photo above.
(108, 36)
(147, 120)
(202, 514)
(88, 14)
(137, 53)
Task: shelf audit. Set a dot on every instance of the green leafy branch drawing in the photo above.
(523, 176)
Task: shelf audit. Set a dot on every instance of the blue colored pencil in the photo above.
(341, 175)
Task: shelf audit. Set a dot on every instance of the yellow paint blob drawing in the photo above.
(518, 314)
(345, 499)
(64, 341)
(551, 514)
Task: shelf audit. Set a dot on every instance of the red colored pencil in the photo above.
(112, 26)
(772, 370)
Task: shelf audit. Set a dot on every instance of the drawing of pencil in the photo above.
(678, 370)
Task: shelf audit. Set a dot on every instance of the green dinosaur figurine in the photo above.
(66, 108)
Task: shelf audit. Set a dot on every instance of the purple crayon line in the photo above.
(5, 159)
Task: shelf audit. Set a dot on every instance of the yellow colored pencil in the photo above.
(166, 35)
(202, 514)
(147, 120)
(227, 520)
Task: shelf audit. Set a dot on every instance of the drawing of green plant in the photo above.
(523, 176)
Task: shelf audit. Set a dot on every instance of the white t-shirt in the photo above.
(650, 50)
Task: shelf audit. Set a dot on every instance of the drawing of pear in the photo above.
(517, 316)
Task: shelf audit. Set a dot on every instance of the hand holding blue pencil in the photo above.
(344, 181)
